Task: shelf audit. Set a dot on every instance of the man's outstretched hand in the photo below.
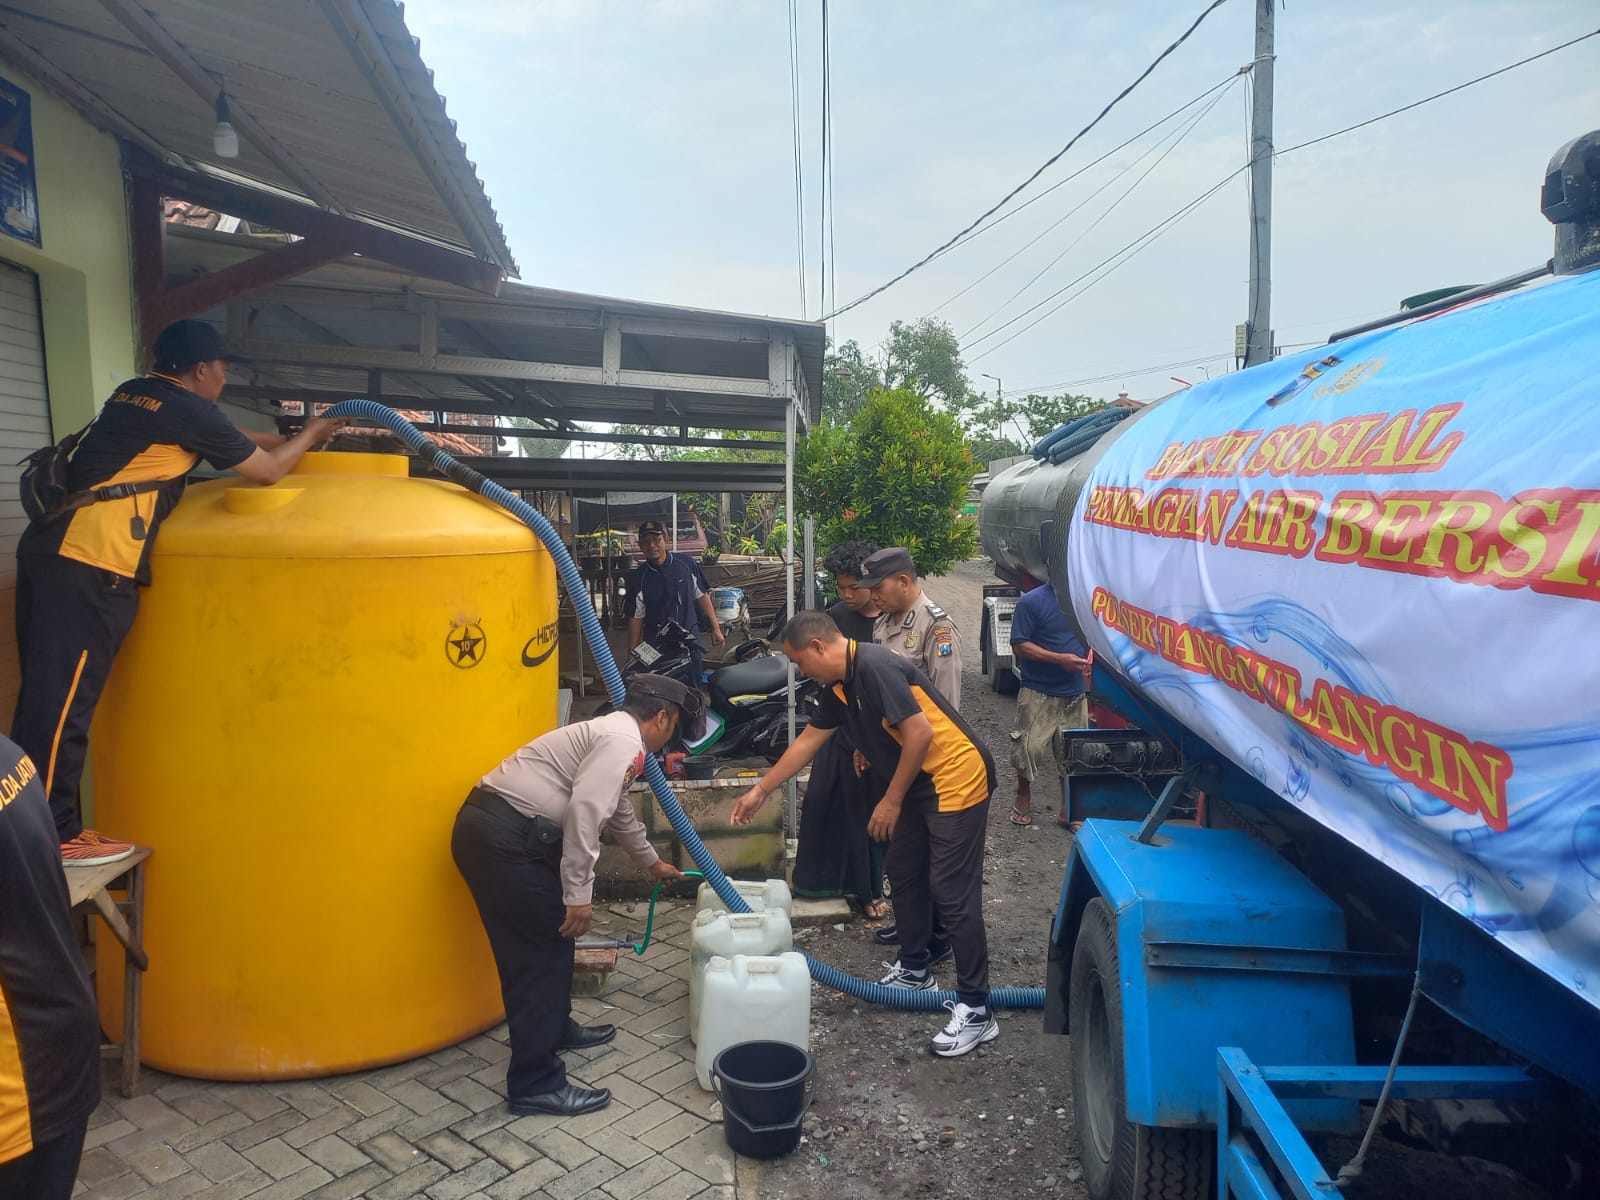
(749, 804)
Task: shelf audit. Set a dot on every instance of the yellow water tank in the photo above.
(319, 672)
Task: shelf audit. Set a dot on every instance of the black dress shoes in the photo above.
(585, 1037)
(566, 1101)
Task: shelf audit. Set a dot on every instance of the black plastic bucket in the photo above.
(765, 1089)
(700, 766)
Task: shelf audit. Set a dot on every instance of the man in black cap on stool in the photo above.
(526, 841)
(80, 567)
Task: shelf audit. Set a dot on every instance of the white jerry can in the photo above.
(758, 934)
(759, 894)
(747, 999)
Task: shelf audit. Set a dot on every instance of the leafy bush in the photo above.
(897, 474)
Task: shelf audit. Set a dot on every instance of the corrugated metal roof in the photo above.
(339, 86)
(372, 307)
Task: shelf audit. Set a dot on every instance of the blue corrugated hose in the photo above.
(861, 989)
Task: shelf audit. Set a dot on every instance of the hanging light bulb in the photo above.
(223, 138)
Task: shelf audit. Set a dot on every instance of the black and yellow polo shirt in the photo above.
(880, 690)
(152, 428)
(49, 1028)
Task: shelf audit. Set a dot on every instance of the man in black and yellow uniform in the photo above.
(78, 571)
(936, 779)
(49, 1028)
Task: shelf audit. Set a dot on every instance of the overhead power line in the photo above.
(1395, 112)
(799, 166)
(1182, 133)
(1222, 83)
(1110, 264)
(1132, 372)
(1113, 261)
(1040, 170)
(825, 251)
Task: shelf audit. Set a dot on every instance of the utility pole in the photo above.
(999, 404)
(1258, 325)
(997, 389)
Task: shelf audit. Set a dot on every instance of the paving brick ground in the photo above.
(438, 1127)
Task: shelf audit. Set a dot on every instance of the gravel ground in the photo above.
(892, 1121)
(889, 1119)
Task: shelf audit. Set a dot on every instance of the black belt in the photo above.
(544, 835)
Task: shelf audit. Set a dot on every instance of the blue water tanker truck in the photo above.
(1344, 866)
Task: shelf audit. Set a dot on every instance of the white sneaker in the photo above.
(899, 977)
(967, 1030)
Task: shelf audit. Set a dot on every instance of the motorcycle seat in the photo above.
(758, 677)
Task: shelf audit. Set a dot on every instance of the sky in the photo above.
(645, 149)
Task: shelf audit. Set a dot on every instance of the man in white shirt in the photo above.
(526, 841)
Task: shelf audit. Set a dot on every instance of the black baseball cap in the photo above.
(690, 701)
(184, 343)
(651, 526)
(877, 567)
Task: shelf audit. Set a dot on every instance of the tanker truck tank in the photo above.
(1347, 592)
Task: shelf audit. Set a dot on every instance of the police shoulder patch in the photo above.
(635, 768)
(944, 641)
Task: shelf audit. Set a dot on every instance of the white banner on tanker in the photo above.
(1370, 574)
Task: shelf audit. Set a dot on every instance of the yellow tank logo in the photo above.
(465, 645)
(545, 641)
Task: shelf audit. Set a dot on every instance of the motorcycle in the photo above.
(749, 711)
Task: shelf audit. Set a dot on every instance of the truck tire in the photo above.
(1121, 1160)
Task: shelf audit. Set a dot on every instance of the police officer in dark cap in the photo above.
(80, 566)
(669, 587)
(526, 841)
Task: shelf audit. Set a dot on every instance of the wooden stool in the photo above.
(87, 887)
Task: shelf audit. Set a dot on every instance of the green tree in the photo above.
(925, 357)
(986, 448)
(848, 378)
(896, 474)
(1038, 415)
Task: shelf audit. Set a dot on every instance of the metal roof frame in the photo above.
(356, 327)
(331, 100)
(555, 359)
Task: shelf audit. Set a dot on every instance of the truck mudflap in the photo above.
(1218, 942)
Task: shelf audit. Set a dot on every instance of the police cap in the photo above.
(690, 701)
(891, 560)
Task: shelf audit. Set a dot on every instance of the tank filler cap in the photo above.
(1570, 200)
(254, 501)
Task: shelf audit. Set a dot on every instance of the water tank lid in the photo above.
(340, 506)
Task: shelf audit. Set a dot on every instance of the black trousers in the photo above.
(935, 867)
(48, 1171)
(71, 619)
(517, 887)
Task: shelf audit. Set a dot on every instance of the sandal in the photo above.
(876, 910)
(1021, 818)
